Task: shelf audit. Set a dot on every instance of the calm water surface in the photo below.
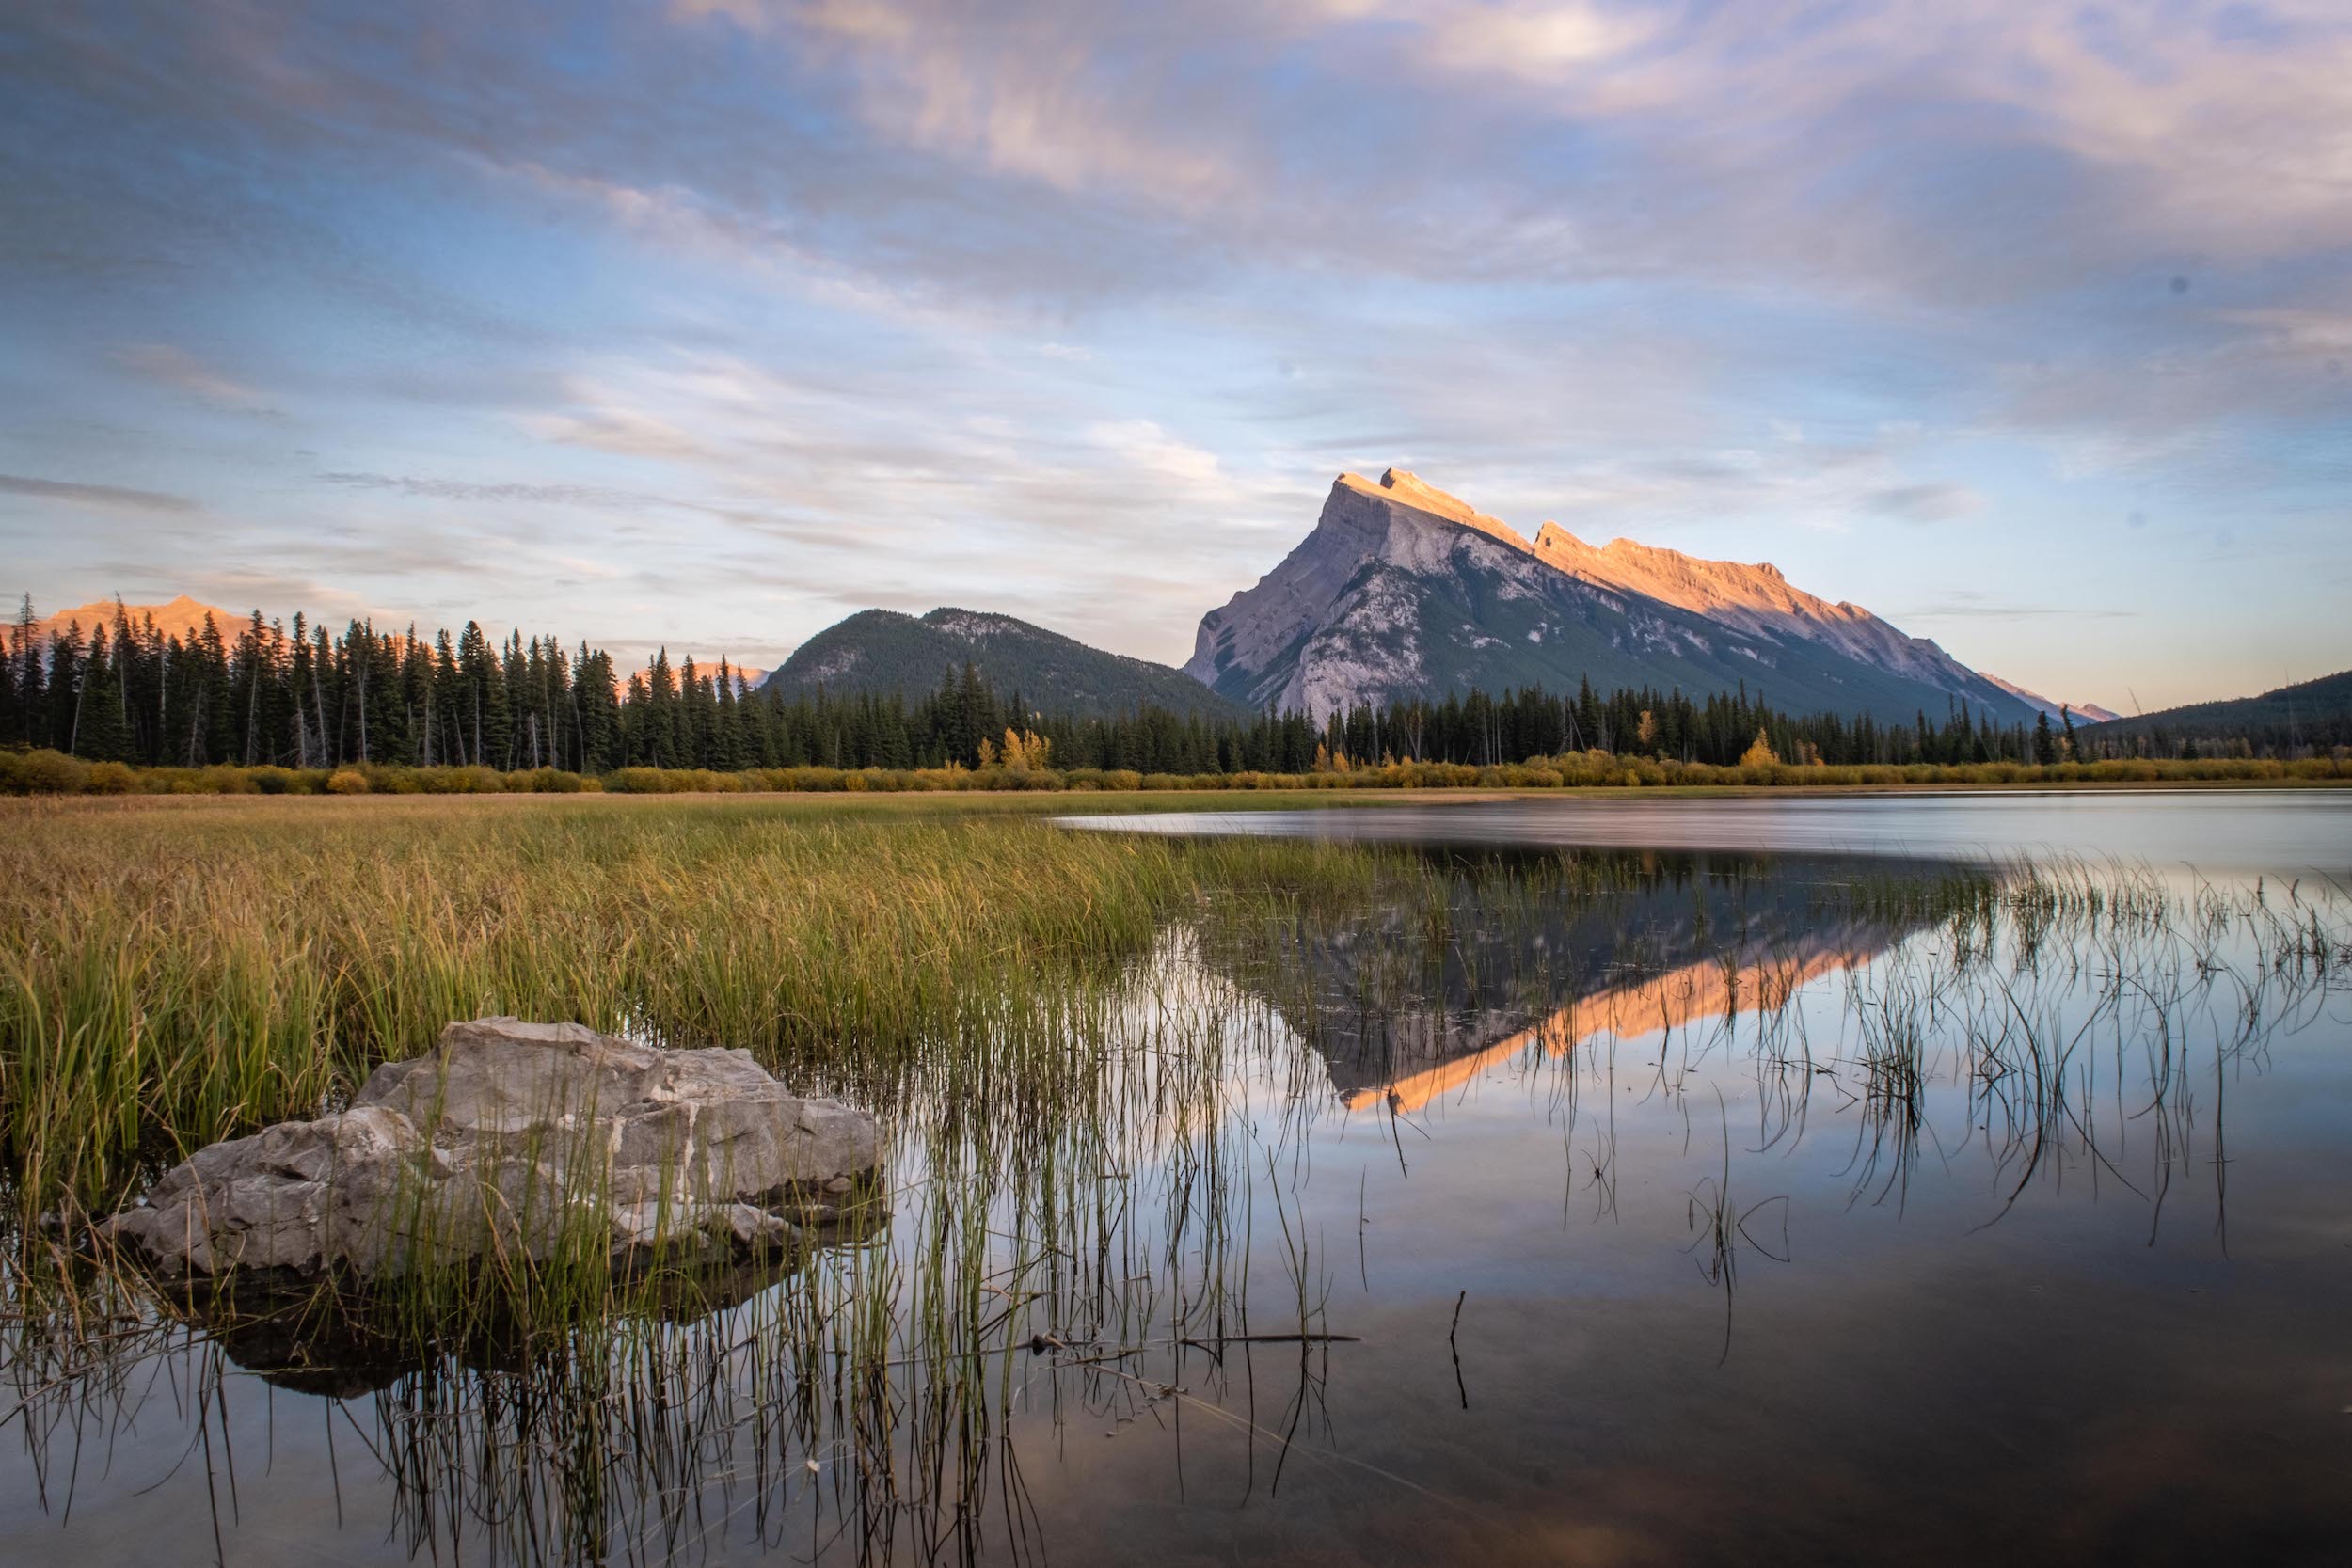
(2223, 832)
(1641, 1182)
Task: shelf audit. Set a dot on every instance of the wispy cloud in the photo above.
(1924, 504)
(500, 492)
(1020, 89)
(178, 369)
(1969, 605)
(111, 498)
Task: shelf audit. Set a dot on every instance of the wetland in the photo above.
(1528, 1181)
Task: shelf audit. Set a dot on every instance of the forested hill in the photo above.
(2314, 714)
(881, 652)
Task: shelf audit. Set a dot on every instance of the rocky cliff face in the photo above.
(1403, 590)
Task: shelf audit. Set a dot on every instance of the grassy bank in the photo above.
(54, 773)
(169, 976)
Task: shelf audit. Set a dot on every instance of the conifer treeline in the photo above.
(301, 696)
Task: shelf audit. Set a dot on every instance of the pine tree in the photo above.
(12, 706)
(101, 731)
(64, 684)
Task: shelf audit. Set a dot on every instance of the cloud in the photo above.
(1929, 151)
(604, 423)
(1536, 42)
(1144, 446)
(1022, 91)
(2315, 336)
(182, 370)
(848, 483)
(465, 490)
(1934, 150)
(1974, 605)
(1924, 504)
(111, 498)
(2181, 128)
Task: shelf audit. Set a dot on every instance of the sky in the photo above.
(2026, 326)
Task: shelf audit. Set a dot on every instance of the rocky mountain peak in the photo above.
(1402, 487)
(1403, 588)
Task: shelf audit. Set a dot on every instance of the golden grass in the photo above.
(174, 974)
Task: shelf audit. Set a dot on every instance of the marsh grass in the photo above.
(170, 979)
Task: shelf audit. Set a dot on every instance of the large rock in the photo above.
(513, 1138)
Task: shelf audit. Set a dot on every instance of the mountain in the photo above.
(181, 618)
(1404, 591)
(751, 679)
(2309, 713)
(2091, 713)
(880, 650)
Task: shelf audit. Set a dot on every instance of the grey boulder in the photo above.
(516, 1139)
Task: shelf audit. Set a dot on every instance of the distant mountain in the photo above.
(880, 650)
(748, 678)
(1404, 591)
(2315, 713)
(2084, 712)
(181, 618)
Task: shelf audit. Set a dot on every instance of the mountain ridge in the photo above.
(1401, 589)
(887, 651)
(2086, 712)
(2316, 712)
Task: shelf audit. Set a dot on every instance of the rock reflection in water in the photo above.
(344, 1345)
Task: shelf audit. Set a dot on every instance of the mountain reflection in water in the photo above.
(1654, 943)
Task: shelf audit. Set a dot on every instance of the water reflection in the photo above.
(1406, 1001)
(1467, 1204)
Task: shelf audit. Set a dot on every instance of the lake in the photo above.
(2224, 833)
(1615, 1182)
